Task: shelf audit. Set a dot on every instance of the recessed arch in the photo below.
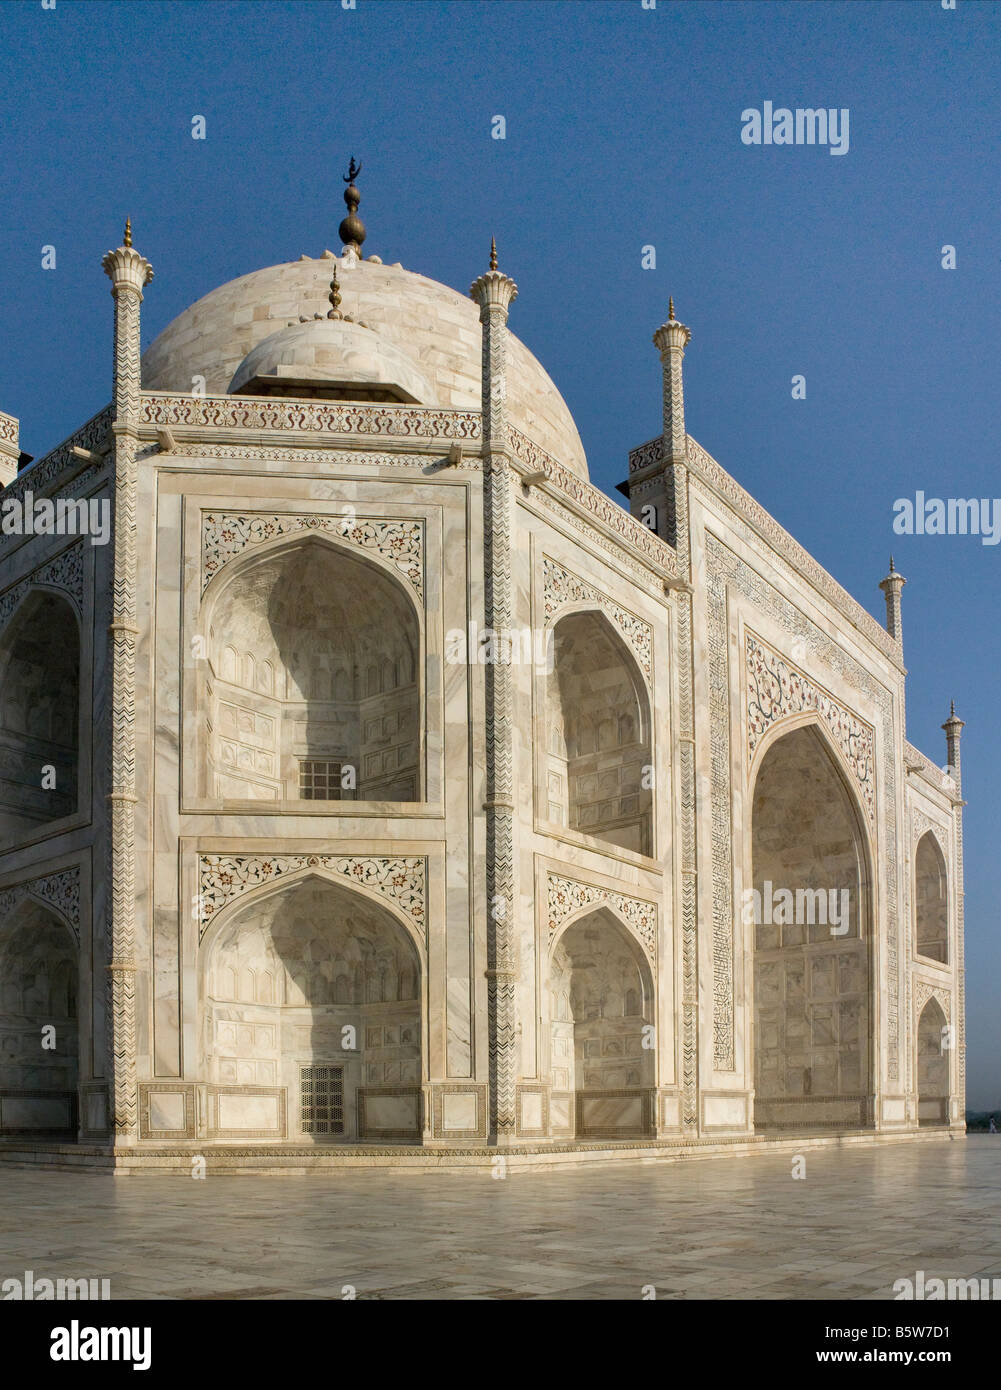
(619, 918)
(598, 734)
(602, 1015)
(39, 1045)
(933, 1044)
(287, 709)
(931, 900)
(259, 893)
(809, 919)
(311, 975)
(39, 713)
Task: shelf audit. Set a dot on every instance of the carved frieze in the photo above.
(64, 571)
(566, 896)
(561, 587)
(330, 417)
(402, 881)
(60, 890)
(775, 690)
(400, 543)
(920, 823)
(923, 991)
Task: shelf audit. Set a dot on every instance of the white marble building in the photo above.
(385, 790)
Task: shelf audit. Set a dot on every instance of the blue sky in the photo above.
(623, 130)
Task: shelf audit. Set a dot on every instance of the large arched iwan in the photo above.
(810, 912)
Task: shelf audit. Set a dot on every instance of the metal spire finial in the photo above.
(352, 229)
(670, 309)
(127, 240)
(493, 254)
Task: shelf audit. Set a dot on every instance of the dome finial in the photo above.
(493, 254)
(352, 229)
(127, 239)
(334, 296)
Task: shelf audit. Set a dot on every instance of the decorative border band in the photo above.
(311, 417)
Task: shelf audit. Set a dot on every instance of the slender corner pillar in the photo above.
(671, 339)
(953, 727)
(10, 451)
(494, 292)
(128, 272)
(891, 586)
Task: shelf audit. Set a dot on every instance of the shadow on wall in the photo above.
(314, 694)
(312, 996)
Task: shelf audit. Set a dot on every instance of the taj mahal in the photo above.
(382, 792)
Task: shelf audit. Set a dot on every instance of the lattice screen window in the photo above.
(320, 780)
(321, 1092)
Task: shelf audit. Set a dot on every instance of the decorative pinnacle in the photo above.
(125, 266)
(334, 296)
(893, 578)
(671, 334)
(954, 719)
(493, 287)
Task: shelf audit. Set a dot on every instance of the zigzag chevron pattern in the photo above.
(120, 1001)
(497, 504)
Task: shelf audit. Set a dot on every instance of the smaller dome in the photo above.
(334, 358)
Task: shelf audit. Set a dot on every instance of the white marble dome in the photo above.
(352, 357)
(430, 335)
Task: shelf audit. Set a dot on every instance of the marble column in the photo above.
(671, 339)
(494, 292)
(954, 727)
(128, 272)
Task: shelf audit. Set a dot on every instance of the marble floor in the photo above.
(730, 1228)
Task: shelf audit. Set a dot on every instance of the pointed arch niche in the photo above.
(313, 690)
(39, 714)
(602, 1009)
(597, 735)
(933, 1064)
(39, 1071)
(811, 919)
(313, 989)
(931, 900)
